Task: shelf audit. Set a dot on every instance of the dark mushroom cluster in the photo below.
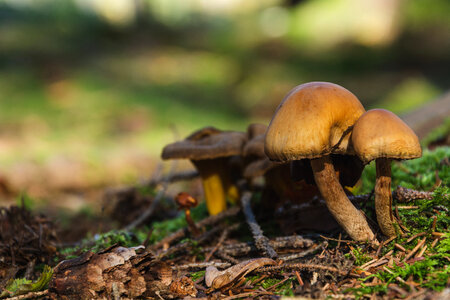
(318, 140)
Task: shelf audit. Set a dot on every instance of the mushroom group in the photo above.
(320, 134)
(312, 122)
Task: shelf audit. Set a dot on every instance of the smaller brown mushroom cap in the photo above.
(255, 147)
(379, 133)
(206, 143)
(256, 129)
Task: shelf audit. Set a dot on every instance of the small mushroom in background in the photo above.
(258, 164)
(210, 150)
(314, 121)
(186, 202)
(382, 136)
(276, 174)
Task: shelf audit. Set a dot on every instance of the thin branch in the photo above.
(302, 266)
(286, 242)
(261, 242)
(202, 265)
(30, 295)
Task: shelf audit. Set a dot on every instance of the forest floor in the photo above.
(163, 258)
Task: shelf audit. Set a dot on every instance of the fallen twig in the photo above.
(261, 241)
(31, 295)
(303, 253)
(287, 242)
(407, 195)
(302, 266)
(202, 265)
(419, 244)
(402, 194)
(299, 278)
(415, 236)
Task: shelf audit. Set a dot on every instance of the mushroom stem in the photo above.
(350, 218)
(383, 198)
(213, 187)
(191, 224)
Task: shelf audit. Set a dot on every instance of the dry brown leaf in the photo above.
(221, 279)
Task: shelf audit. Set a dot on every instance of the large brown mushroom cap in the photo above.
(381, 134)
(206, 143)
(311, 121)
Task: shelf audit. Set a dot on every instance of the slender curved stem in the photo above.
(350, 218)
(383, 198)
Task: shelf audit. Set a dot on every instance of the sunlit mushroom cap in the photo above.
(206, 143)
(311, 121)
(380, 133)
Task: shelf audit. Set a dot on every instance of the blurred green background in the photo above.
(91, 90)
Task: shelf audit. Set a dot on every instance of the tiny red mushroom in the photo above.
(186, 202)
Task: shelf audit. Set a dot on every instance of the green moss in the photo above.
(197, 275)
(418, 173)
(360, 256)
(103, 241)
(22, 286)
(432, 271)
